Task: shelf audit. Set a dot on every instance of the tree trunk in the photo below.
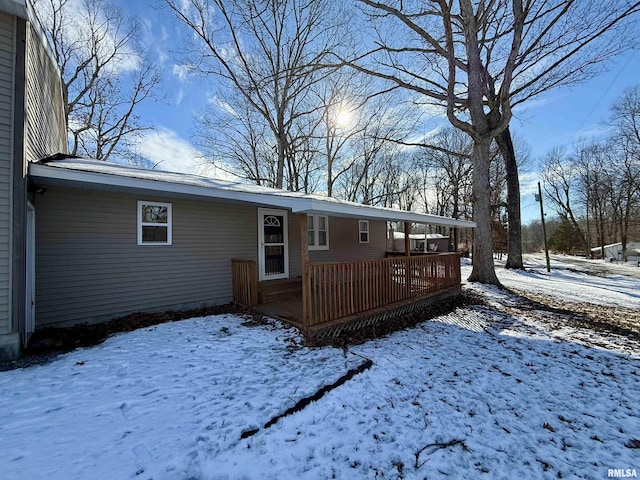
(280, 166)
(514, 239)
(483, 268)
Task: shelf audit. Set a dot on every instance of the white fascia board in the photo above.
(375, 213)
(289, 201)
(55, 173)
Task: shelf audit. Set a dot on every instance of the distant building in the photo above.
(419, 242)
(614, 252)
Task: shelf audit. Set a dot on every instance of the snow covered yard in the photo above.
(469, 396)
(146, 402)
(496, 391)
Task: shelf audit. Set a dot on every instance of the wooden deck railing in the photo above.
(338, 290)
(244, 281)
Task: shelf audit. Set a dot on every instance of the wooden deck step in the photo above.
(279, 290)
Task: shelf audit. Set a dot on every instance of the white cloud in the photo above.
(77, 32)
(222, 105)
(433, 110)
(180, 96)
(529, 183)
(172, 153)
(182, 72)
(592, 132)
(162, 56)
(169, 151)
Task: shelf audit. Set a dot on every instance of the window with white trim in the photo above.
(154, 223)
(318, 232)
(363, 231)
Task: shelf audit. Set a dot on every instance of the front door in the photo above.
(273, 244)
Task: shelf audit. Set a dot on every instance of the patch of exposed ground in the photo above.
(610, 319)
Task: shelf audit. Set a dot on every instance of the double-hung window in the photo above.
(363, 231)
(318, 232)
(154, 223)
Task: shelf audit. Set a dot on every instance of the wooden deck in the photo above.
(290, 311)
(331, 294)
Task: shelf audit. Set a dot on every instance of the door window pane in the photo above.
(274, 260)
(273, 229)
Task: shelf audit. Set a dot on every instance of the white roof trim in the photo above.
(25, 10)
(15, 7)
(96, 172)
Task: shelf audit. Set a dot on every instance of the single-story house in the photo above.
(614, 251)
(112, 239)
(86, 241)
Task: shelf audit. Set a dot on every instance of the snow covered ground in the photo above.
(567, 282)
(493, 392)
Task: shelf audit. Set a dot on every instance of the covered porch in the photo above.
(331, 295)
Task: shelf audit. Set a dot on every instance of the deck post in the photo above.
(407, 261)
(407, 240)
(306, 283)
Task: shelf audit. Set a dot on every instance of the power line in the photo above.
(604, 92)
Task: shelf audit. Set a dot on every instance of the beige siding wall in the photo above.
(344, 245)
(7, 29)
(45, 129)
(89, 266)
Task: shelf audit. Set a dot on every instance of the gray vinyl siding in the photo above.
(6, 155)
(89, 266)
(344, 244)
(45, 129)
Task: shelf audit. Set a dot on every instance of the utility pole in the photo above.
(544, 227)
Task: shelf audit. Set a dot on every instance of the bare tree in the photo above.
(625, 117)
(482, 58)
(514, 238)
(560, 184)
(626, 185)
(446, 172)
(341, 99)
(625, 142)
(592, 169)
(235, 138)
(374, 164)
(267, 50)
(104, 78)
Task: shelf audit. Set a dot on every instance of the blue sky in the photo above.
(557, 118)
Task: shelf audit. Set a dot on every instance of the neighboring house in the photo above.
(614, 251)
(31, 127)
(114, 239)
(421, 242)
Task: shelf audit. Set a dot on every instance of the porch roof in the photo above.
(109, 176)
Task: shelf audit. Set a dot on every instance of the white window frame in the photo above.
(262, 213)
(316, 232)
(361, 231)
(153, 224)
